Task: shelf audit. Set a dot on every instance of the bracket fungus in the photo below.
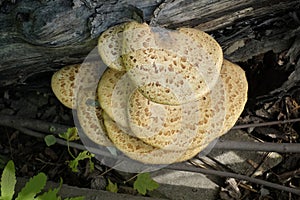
(165, 95)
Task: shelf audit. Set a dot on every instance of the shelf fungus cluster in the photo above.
(165, 95)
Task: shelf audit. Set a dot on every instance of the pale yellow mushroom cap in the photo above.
(110, 47)
(89, 115)
(171, 67)
(163, 126)
(136, 149)
(177, 127)
(67, 81)
(163, 77)
(63, 85)
(237, 91)
(114, 107)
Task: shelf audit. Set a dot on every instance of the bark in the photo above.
(37, 37)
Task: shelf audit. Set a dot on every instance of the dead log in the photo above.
(37, 37)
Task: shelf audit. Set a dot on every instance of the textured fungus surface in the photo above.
(70, 79)
(165, 96)
(110, 47)
(90, 117)
(171, 66)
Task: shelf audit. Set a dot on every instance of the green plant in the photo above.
(31, 190)
(70, 135)
(142, 184)
(112, 187)
(73, 164)
(50, 140)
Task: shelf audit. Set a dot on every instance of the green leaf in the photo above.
(50, 140)
(50, 194)
(8, 181)
(70, 135)
(32, 187)
(144, 182)
(73, 164)
(112, 187)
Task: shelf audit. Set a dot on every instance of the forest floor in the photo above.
(31, 155)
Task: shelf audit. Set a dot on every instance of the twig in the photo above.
(185, 167)
(32, 125)
(258, 146)
(265, 123)
(64, 142)
(58, 140)
(53, 128)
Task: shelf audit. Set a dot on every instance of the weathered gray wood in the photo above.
(210, 15)
(41, 36)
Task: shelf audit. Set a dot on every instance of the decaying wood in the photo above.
(41, 36)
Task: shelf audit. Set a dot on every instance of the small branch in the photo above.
(185, 167)
(33, 126)
(272, 123)
(58, 140)
(258, 146)
(64, 142)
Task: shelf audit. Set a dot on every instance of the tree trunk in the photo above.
(38, 37)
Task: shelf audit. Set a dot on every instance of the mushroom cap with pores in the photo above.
(67, 81)
(196, 122)
(89, 115)
(173, 66)
(136, 149)
(137, 36)
(163, 77)
(110, 46)
(62, 84)
(165, 96)
(164, 126)
(237, 89)
(108, 100)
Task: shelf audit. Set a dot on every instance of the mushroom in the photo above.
(67, 81)
(173, 66)
(105, 90)
(90, 118)
(211, 122)
(138, 149)
(237, 88)
(165, 96)
(110, 47)
(62, 84)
